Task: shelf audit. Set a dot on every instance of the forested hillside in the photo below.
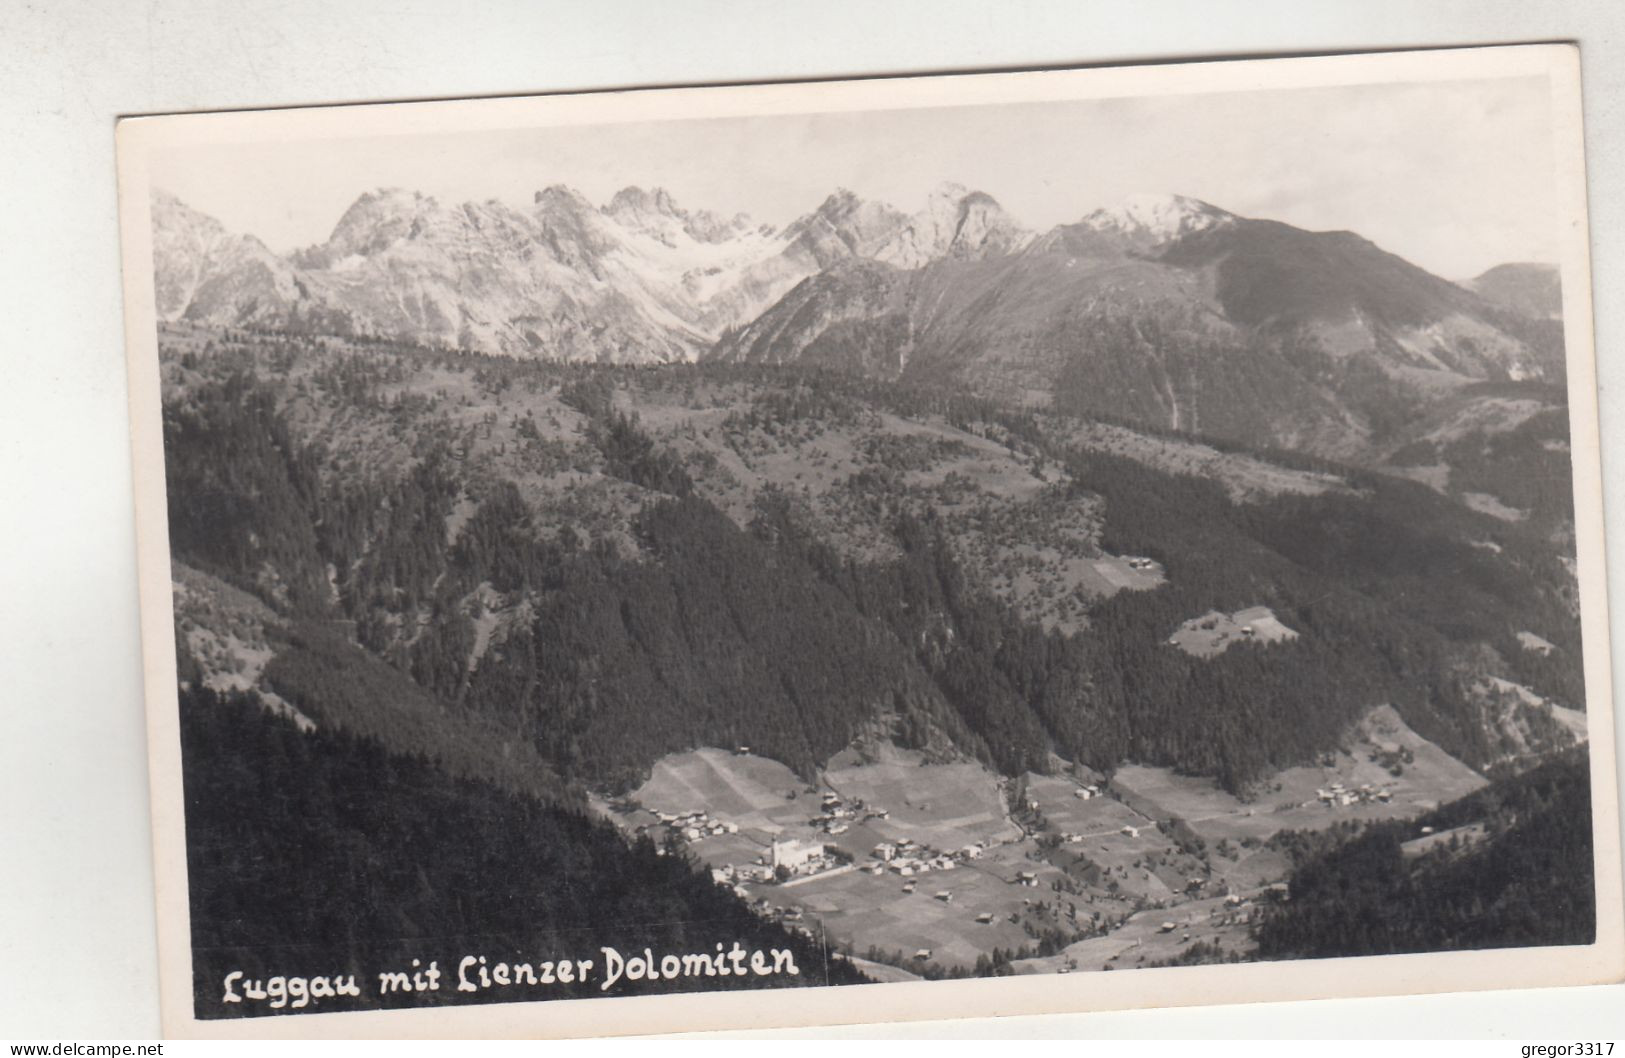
(324, 855)
(565, 590)
(1510, 870)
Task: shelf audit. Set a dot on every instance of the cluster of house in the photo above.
(785, 858)
(837, 815)
(1087, 793)
(1237, 910)
(737, 874)
(695, 825)
(906, 857)
(1139, 562)
(1339, 796)
(792, 918)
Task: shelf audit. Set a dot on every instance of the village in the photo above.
(923, 868)
(789, 861)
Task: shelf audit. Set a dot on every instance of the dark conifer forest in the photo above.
(323, 854)
(765, 636)
(1523, 880)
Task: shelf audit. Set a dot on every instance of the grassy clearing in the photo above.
(1215, 632)
(946, 806)
(1291, 800)
(873, 910)
(1246, 478)
(1144, 940)
(754, 792)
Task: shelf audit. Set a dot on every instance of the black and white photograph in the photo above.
(1064, 540)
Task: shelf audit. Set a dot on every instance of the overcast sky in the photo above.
(1454, 176)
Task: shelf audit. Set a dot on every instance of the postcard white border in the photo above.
(1600, 962)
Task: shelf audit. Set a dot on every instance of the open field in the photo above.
(1484, 503)
(1243, 476)
(945, 806)
(754, 792)
(1213, 633)
(1572, 719)
(1121, 850)
(1507, 694)
(1143, 939)
(1292, 802)
(1530, 641)
(1462, 836)
(873, 910)
(1101, 862)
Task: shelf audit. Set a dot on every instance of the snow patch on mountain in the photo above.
(1159, 218)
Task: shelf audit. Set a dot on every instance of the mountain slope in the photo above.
(1529, 289)
(324, 855)
(1510, 874)
(203, 271)
(1174, 312)
(1355, 297)
(598, 567)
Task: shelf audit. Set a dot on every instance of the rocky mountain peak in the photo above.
(558, 199)
(955, 223)
(655, 213)
(838, 203)
(635, 201)
(1159, 218)
(844, 225)
(377, 219)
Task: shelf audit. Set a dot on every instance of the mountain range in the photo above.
(1162, 308)
(455, 568)
(639, 280)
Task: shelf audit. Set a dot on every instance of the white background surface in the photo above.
(77, 955)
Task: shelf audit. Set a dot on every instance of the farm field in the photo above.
(1143, 941)
(945, 806)
(754, 792)
(1072, 864)
(1142, 863)
(872, 911)
(1291, 801)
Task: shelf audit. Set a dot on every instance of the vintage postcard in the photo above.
(925, 547)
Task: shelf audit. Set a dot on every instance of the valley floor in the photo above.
(934, 869)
